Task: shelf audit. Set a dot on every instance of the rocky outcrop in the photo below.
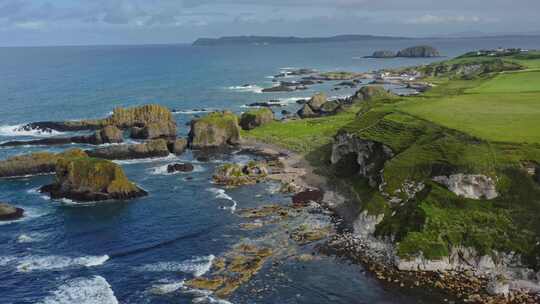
(86, 179)
(34, 164)
(371, 92)
(469, 70)
(459, 258)
(253, 119)
(107, 135)
(10, 213)
(422, 51)
(469, 186)
(180, 168)
(153, 148)
(318, 106)
(307, 196)
(154, 120)
(278, 88)
(307, 112)
(370, 156)
(365, 224)
(383, 54)
(155, 130)
(177, 146)
(234, 175)
(218, 129)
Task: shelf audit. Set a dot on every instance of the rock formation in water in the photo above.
(152, 148)
(256, 118)
(382, 54)
(183, 167)
(318, 106)
(35, 163)
(422, 51)
(217, 129)
(234, 175)
(10, 213)
(86, 179)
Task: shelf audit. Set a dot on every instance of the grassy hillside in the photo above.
(480, 123)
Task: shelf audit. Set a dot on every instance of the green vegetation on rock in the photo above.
(216, 129)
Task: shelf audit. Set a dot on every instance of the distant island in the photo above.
(263, 40)
(420, 51)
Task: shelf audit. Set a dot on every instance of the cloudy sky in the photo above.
(74, 22)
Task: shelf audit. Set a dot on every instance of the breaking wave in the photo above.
(94, 290)
(197, 266)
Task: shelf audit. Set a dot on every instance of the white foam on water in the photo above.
(34, 263)
(252, 88)
(197, 266)
(166, 287)
(146, 160)
(189, 112)
(6, 260)
(221, 194)
(31, 237)
(94, 290)
(162, 170)
(29, 214)
(17, 130)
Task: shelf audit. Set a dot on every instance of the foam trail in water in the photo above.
(162, 170)
(33, 263)
(29, 214)
(94, 290)
(166, 287)
(31, 237)
(197, 266)
(17, 130)
(146, 160)
(248, 88)
(221, 194)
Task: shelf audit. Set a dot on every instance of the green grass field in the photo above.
(505, 108)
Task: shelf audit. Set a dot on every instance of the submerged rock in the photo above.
(305, 197)
(253, 119)
(89, 179)
(150, 149)
(35, 163)
(217, 129)
(10, 213)
(180, 168)
(470, 186)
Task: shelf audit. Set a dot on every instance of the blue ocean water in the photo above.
(122, 252)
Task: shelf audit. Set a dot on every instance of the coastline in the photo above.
(378, 256)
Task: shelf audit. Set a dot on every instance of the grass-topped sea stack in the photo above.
(256, 118)
(218, 129)
(86, 179)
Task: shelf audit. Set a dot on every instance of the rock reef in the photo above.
(10, 213)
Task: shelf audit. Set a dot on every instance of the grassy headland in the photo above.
(480, 118)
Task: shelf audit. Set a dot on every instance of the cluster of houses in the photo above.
(501, 52)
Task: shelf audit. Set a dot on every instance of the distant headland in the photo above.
(262, 40)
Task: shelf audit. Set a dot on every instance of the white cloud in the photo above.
(433, 19)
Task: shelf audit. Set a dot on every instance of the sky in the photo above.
(89, 22)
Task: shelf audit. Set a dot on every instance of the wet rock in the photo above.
(35, 163)
(88, 179)
(469, 186)
(177, 146)
(305, 197)
(234, 175)
(10, 213)
(107, 135)
(217, 129)
(278, 88)
(179, 168)
(304, 234)
(253, 119)
(150, 149)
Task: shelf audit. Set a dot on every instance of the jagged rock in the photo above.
(365, 224)
(10, 213)
(89, 179)
(253, 119)
(383, 54)
(370, 156)
(217, 129)
(107, 135)
(469, 186)
(305, 197)
(178, 146)
(122, 118)
(180, 168)
(331, 107)
(35, 163)
(234, 175)
(317, 101)
(162, 129)
(153, 148)
(419, 51)
(278, 88)
(371, 92)
(307, 112)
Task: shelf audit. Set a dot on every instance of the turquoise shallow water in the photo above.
(112, 253)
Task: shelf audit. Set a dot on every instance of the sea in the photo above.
(144, 250)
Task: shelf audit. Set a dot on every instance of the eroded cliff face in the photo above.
(370, 156)
(469, 185)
